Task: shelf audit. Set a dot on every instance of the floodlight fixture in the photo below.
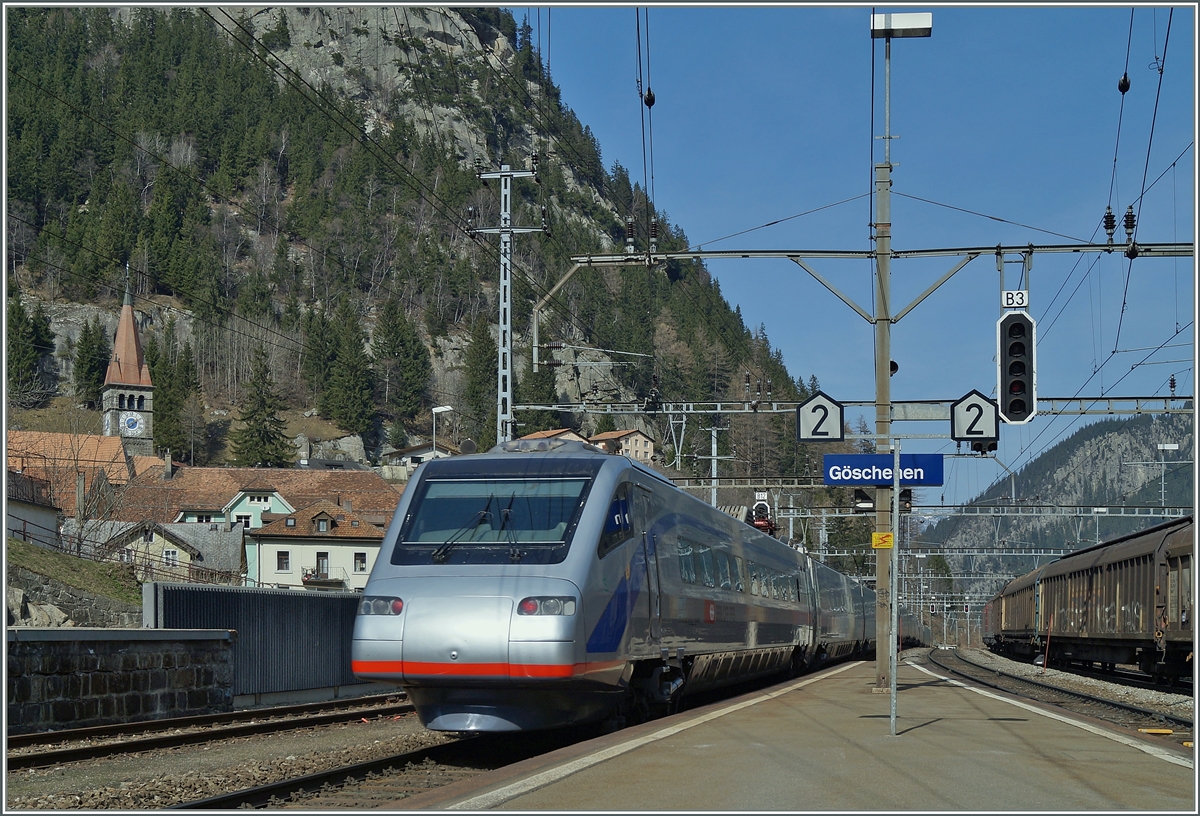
(919, 24)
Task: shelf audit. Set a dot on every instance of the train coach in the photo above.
(548, 583)
(1125, 601)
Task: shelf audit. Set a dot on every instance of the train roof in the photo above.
(1165, 527)
(1113, 549)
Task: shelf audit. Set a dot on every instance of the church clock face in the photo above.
(132, 424)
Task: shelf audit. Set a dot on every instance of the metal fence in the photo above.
(146, 567)
(287, 640)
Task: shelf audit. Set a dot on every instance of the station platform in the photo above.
(823, 743)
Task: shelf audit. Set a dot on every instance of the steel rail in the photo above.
(1091, 698)
(169, 724)
(81, 753)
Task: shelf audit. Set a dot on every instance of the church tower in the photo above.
(127, 396)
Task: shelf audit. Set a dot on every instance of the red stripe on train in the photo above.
(400, 667)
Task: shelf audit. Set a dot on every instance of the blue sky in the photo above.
(763, 113)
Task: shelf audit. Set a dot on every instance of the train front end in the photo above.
(473, 605)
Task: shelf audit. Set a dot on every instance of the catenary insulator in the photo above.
(1110, 223)
(649, 98)
(1171, 382)
(1130, 221)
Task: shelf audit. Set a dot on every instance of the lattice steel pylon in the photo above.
(504, 378)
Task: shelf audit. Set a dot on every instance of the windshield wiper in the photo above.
(514, 554)
(439, 555)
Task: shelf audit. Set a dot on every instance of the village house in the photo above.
(321, 546)
(203, 553)
(634, 443)
(30, 513)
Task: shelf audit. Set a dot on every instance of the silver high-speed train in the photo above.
(548, 583)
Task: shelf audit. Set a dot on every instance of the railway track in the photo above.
(378, 782)
(76, 745)
(1173, 728)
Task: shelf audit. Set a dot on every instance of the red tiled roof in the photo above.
(342, 524)
(149, 496)
(59, 457)
(552, 434)
(617, 435)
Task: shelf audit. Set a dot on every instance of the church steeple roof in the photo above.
(127, 366)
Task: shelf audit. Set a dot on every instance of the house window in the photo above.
(360, 562)
(126, 556)
(259, 499)
(323, 526)
(204, 518)
(148, 536)
(354, 523)
(243, 520)
(283, 561)
(291, 522)
(171, 558)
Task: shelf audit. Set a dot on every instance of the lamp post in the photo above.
(441, 409)
(886, 27)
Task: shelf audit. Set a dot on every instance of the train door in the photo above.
(644, 507)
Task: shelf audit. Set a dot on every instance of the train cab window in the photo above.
(753, 577)
(687, 567)
(738, 582)
(618, 526)
(724, 580)
(707, 573)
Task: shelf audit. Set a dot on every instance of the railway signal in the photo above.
(1016, 355)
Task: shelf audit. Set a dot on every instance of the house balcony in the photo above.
(324, 578)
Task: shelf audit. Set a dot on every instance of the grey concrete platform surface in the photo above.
(822, 743)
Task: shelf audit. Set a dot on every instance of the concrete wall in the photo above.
(79, 607)
(74, 677)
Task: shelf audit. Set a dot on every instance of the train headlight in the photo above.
(546, 606)
(376, 605)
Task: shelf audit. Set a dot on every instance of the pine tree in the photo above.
(348, 396)
(401, 360)
(318, 352)
(261, 441)
(22, 355)
(479, 392)
(92, 353)
(539, 388)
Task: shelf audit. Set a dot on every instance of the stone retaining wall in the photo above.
(75, 677)
(79, 607)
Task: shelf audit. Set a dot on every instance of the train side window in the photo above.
(617, 526)
(687, 567)
(774, 586)
(707, 573)
(739, 584)
(724, 579)
(753, 577)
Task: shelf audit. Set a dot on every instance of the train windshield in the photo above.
(491, 521)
